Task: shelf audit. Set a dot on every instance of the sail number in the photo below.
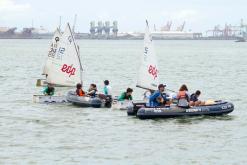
(145, 53)
(153, 71)
(146, 50)
(53, 50)
(69, 69)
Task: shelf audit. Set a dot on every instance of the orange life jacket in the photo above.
(182, 95)
(80, 92)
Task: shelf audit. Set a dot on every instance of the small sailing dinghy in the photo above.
(63, 66)
(149, 79)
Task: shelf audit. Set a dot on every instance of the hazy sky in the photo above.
(199, 15)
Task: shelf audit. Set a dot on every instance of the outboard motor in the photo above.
(108, 101)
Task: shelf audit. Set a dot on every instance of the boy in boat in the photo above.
(194, 101)
(107, 88)
(79, 90)
(159, 98)
(92, 90)
(49, 90)
(183, 97)
(126, 95)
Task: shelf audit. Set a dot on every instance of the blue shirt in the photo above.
(153, 98)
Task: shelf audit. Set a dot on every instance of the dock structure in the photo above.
(103, 30)
(228, 31)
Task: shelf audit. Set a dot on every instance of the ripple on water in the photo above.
(64, 134)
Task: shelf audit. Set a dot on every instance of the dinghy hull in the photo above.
(87, 101)
(220, 108)
(49, 99)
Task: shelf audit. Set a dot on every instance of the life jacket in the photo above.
(183, 99)
(80, 92)
(183, 95)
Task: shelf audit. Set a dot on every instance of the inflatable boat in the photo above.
(49, 99)
(95, 102)
(144, 112)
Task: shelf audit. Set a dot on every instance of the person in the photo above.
(183, 97)
(194, 101)
(147, 95)
(49, 90)
(79, 90)
(107, 88)
(126, 95)
(159, 98)
(92, 90)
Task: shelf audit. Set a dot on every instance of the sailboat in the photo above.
(148, 77)
(63, 65)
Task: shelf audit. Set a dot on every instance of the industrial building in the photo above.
(103, 30)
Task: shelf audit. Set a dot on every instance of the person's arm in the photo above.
(166, 97)
(91, 92)
(45, 90)
(154, 96)
(121, 97)
(53, 92)
(131, 98)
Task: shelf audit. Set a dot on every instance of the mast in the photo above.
(73, 28)
(77, 51)
(59, 25)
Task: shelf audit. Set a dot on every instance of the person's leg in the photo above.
(192, 103)
(197, 103)
(202, 102)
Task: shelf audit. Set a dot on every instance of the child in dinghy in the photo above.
(79, 90)
(92, 90)
(49, 90)
(126, 95)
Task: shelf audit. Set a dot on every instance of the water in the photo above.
(63, 134)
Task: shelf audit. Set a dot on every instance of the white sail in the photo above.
(148, 75)
(66, 67)
(52, 51)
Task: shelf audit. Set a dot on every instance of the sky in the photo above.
(199, 15)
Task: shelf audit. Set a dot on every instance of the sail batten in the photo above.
(148, 77)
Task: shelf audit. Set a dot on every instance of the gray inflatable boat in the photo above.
(86, 101)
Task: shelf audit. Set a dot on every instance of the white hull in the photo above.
(121, 105)
(49, 99)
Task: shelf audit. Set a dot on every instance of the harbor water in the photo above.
(34, 133)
